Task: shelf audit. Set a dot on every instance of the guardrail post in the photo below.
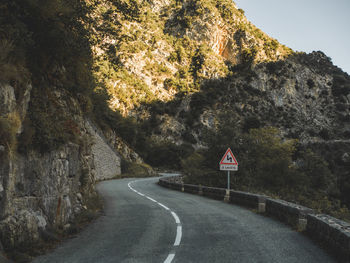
(302, 223)
(227, 196)
(200, 191)
(261, 207)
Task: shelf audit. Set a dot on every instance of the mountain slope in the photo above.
(184, 71)
(161, 48)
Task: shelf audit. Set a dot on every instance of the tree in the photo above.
(270, 158)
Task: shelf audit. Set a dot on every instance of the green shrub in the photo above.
(26, 138)
(129, 8)
(51, 122)
(274, 67)
(167, 154)
(318, 174)
(9, 126)
(270, 165)
(12, 65)
(251, 122)
(310, 83)
(198, 61)
(198, 173)
(187, 136)
(270, 158)
(248, 55)
(265, 160)
(94, 205)
(131, 169)
(341, 84)
(228, 11)
(84, 177)
(324, 134)
(344, 187)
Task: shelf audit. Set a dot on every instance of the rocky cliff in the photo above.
(207, 54)
(51, 152)
(176, 66)
(149, 51)
(106, 159)
(42, 193)
(186, 70)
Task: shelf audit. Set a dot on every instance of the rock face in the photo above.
(334, 234)
(122, 147)
(106, 160)
(8, 99)
(40, 191)
(167, 47)
(223, 63)
(186, 69)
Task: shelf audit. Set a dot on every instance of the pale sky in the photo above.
(305, 25)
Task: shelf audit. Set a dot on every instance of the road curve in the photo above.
(135, 228)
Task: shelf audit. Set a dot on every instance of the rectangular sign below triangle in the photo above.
(228, 162)
(224, 167)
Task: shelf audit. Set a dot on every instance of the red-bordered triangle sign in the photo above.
(229, 158)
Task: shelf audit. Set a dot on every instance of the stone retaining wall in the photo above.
(171, 185)
(107, 161)
(254, 201)
(214, 193)
(292, 214)
(192, 189)
(330, 232)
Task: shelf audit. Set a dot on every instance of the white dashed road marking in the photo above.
(177, 219)
(178, 237)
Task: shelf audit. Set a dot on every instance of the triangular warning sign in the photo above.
(229, 158)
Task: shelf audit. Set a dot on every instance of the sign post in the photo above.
(228, 163)
(228, 180)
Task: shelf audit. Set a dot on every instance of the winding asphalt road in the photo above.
(144, 222)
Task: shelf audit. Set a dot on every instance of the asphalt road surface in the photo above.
(144, 222)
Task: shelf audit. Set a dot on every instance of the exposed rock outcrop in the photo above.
(106, 159)
(40, 191)
(123, 148)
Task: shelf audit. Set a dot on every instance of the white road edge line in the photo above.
(169, 258)
(178, 237)
(166, 208)
(149, 198)
(177, 219)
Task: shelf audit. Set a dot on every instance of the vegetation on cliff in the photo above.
(180, 81)
(269, 165)
(149, 51)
